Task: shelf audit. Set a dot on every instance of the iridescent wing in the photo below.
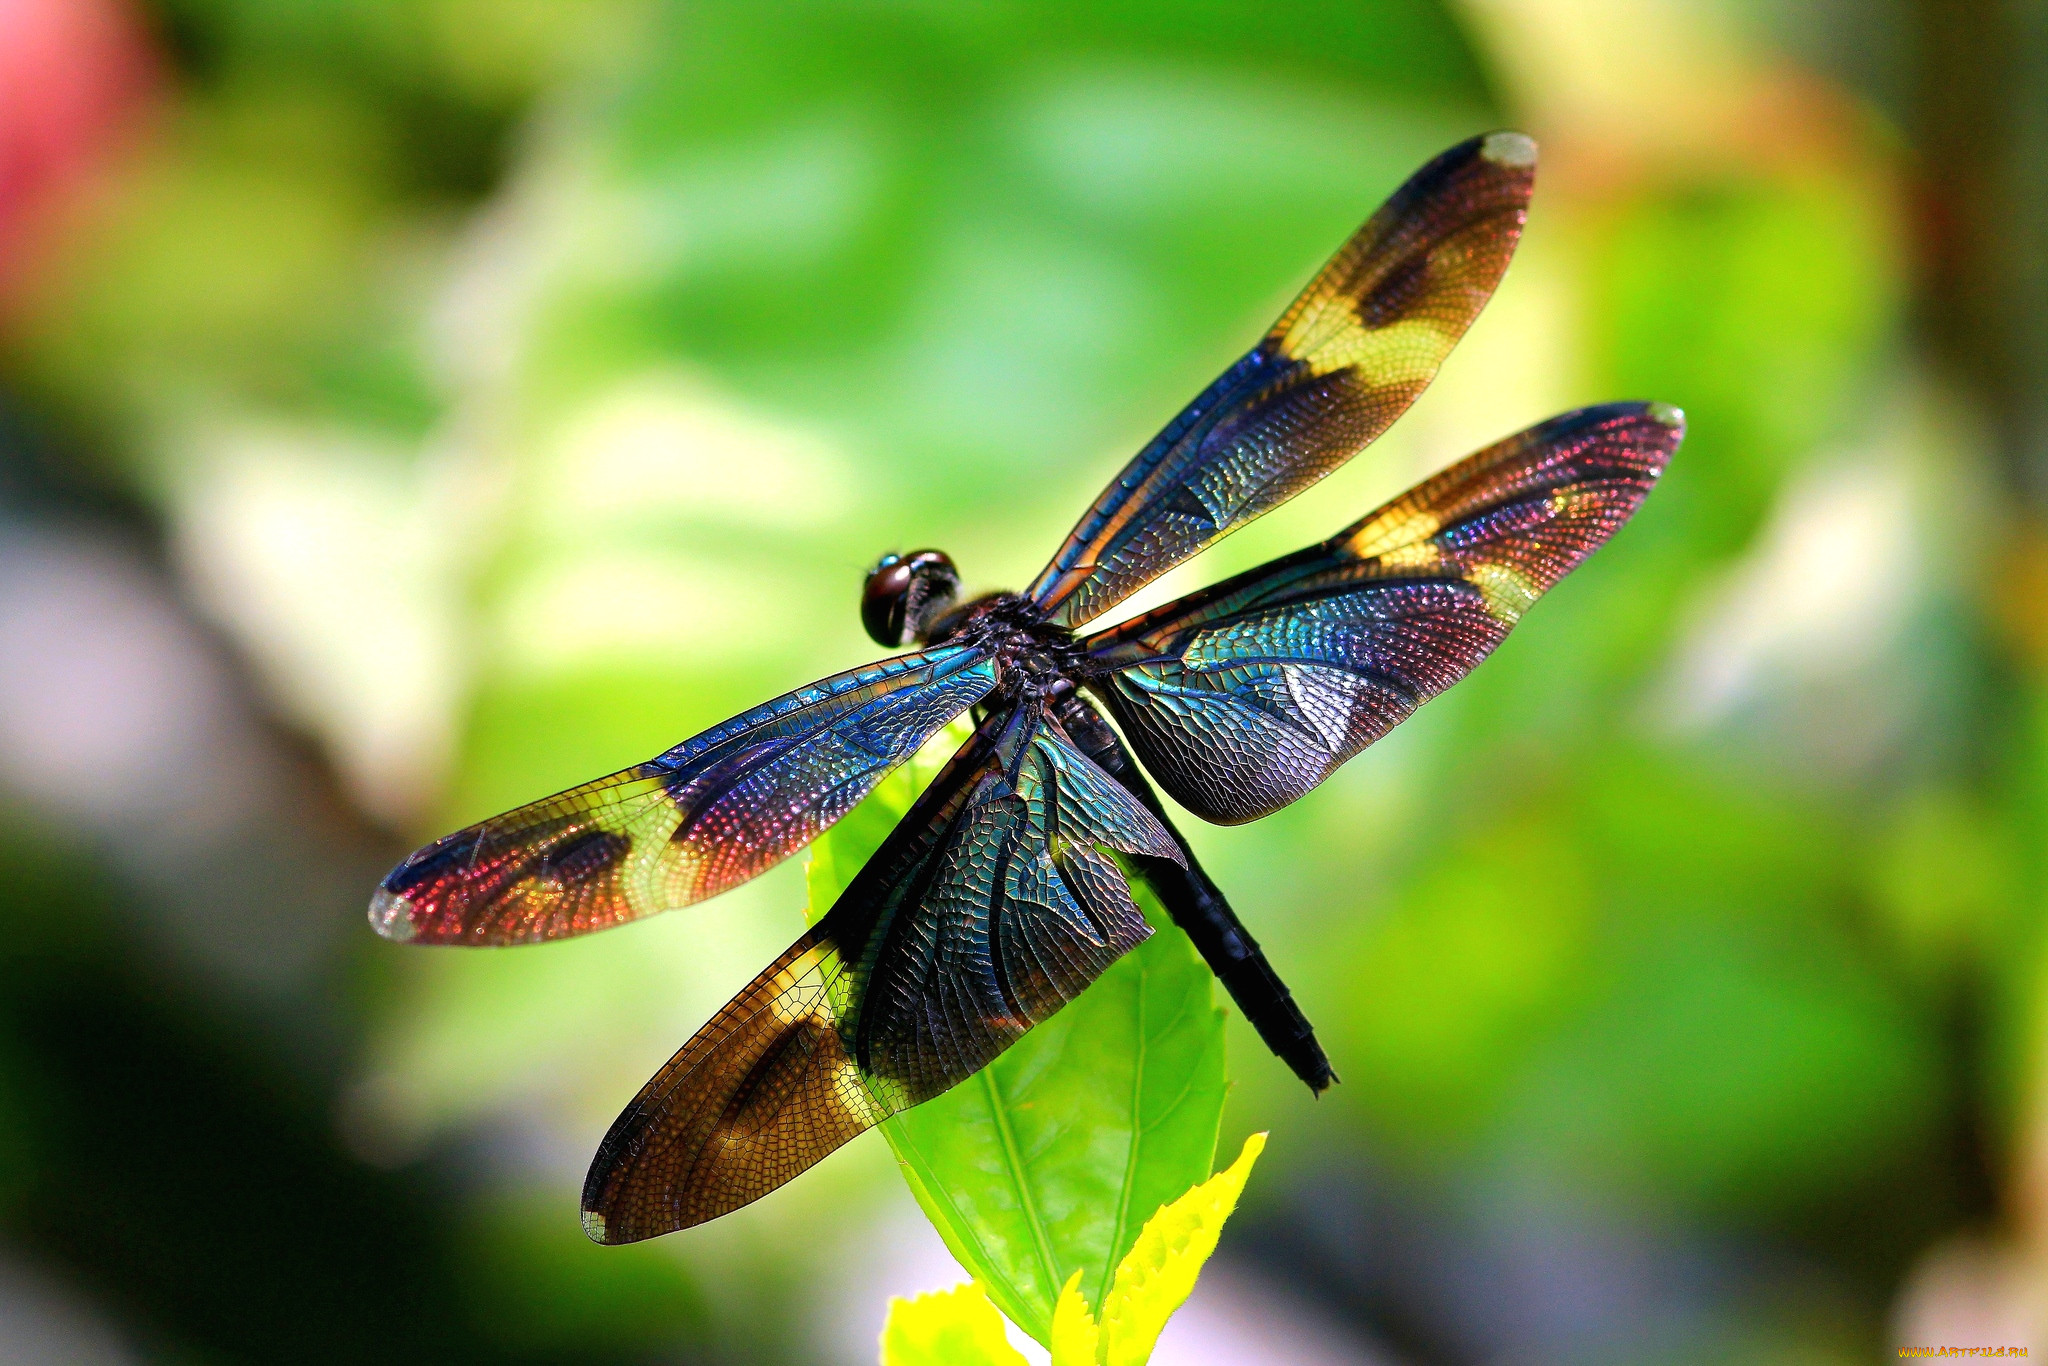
(1347, 358)
(993, 903)
(686, 825)
(1241, 698)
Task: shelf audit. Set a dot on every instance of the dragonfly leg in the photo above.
(1198, 907)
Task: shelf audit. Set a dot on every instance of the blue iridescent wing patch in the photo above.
(1241, 698)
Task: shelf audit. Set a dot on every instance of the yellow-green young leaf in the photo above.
(956, 1327)
(1159, 1274)
(1075, 1338)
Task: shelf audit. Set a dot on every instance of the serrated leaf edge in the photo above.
(1159, 1273)
(1076, 1341)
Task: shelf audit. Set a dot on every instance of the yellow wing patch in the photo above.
(1508, 591)
(1420, 555)
(1400, 524)
(1328, 337)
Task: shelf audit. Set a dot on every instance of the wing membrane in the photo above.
(704, 817)
(1241, 698)
(1347, 358)
(994, 903)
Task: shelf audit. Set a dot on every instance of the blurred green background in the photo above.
(411, 407)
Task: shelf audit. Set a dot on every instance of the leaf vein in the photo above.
(1014, 1160)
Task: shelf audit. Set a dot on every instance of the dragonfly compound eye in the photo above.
(904, 594)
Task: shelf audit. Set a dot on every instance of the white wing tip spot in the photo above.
(391, 915)
(1671, 417)
(1509, 149)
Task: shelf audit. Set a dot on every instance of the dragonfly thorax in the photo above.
(1033, 657)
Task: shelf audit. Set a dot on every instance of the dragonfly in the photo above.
(1006, 889)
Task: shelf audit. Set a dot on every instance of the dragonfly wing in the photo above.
(994, 902)
(1347, 358)
(704, 817)
(1241, 698)
(755, 1098)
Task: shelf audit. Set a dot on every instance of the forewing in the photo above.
(704, 817)
(1241, 698)
(994, 902)
(1347, 358)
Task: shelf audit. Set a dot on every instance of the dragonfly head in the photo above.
(906, 594)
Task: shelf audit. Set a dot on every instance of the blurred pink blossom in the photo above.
(75, 78)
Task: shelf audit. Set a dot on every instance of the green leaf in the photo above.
(1160, 1273)
(1049, 1159)
(956, 1327)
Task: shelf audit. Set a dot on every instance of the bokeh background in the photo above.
(410, 407)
